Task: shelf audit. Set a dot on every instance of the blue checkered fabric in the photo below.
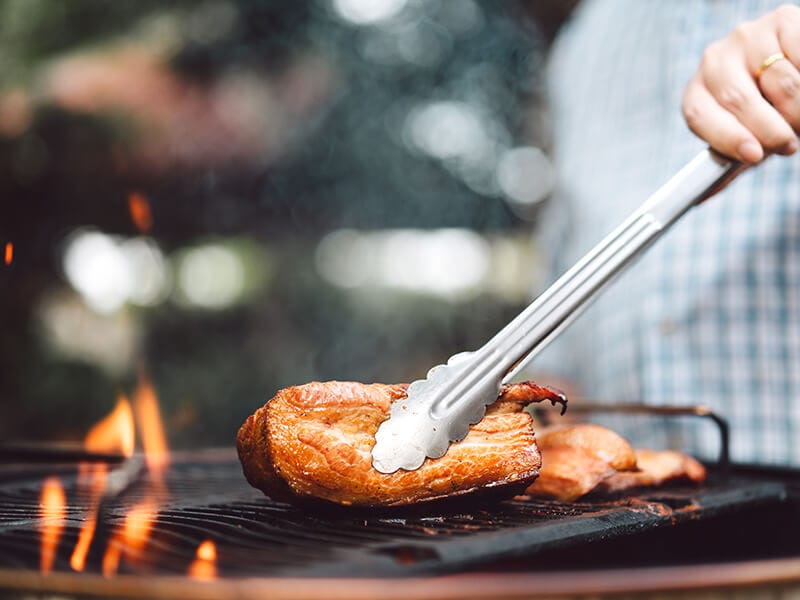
(711, 314)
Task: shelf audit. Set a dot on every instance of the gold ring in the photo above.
(768, 62)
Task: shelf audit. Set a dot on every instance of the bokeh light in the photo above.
(450, 263)
(367, 12)
(109, 271)
(211, 276)
(525, 175)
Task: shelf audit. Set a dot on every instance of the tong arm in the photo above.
(544, 318)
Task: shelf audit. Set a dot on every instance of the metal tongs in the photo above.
(438, 410)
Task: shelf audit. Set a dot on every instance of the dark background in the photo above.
(249, 132)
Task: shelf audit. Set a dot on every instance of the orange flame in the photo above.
(9, 252)
(204, 566)
(131, 538)
(111, 558)
(96, 476)
(139, 209)
(151, 430)
(54, 511)
(113, 433)
(78, 559)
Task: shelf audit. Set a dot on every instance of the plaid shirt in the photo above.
(711, 314)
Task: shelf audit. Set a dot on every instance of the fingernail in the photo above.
(791, 147)
(750, 151)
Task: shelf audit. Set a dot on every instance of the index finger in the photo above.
(717, 126)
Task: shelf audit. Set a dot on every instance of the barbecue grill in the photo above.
(631, 542)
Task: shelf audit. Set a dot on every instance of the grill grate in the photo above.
(255, 535)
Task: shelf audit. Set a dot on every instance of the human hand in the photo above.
(744, 99)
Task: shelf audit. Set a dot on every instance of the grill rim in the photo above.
(466, 586)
